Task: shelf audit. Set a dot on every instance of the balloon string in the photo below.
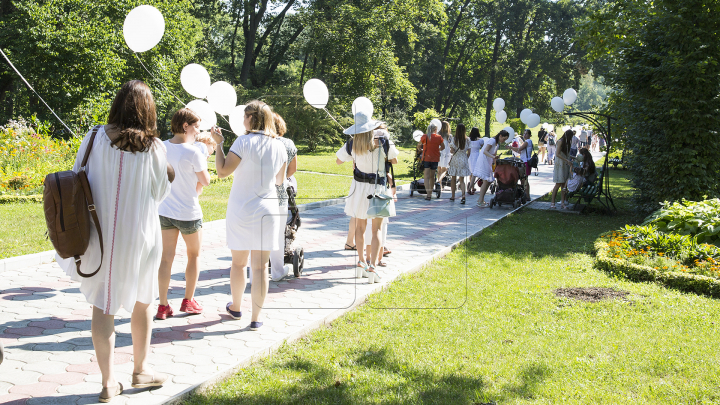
(36, 93)
(333, 118)
(156, 79)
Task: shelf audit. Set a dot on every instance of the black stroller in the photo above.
(294, 256)
(418, 185)
(509, 174)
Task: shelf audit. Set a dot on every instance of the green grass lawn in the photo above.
(509, 340)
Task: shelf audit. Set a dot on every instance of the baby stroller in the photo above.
(509, 174)
(418, 185)
(293, 256)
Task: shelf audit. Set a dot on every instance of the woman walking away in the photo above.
(368, 151)
(459, 166)
(476, 143)
(252, 222)
(542, 144)
(551, 147)
(278, 269)
(129, 175)
(180, 212)
(445, 154)
(431, 144)
(484, 166)
(561, 171)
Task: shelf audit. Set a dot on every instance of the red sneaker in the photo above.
(164, 311)
(190, 306)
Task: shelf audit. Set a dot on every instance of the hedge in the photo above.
(7, 199)
(680, 281)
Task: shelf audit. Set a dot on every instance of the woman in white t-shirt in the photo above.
(180, 212)
(252, 221)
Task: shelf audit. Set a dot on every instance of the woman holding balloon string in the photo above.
(252, 223)
(369, 178)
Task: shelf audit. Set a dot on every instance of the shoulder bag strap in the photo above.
(91, 204)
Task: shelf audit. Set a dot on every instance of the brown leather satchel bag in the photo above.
(69, 205)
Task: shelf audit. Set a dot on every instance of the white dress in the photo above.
(483, 165)
(252, 221)
(356, 204)
(127, 188)
(474, 151)
(445, 154)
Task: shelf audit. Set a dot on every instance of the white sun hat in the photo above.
(363, 123)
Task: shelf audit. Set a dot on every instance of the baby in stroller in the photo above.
(509, 189)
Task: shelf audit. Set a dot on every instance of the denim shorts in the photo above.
(185, 227)
(430, 165)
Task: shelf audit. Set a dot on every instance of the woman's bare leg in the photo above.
(376, 225)
(483, 190)
(192, 271)
(462, 186)
(554, 192)
(453, 180)
(103, 338)
(259, 288)
(141, 331)
(237, 277)
(169, 241)
(360, 225)
(351, 233)
(429, 181)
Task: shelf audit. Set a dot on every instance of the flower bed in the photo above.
(28, 153)
(701, 219)
(643, 253)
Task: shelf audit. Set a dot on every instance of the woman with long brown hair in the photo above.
(484, 166)
(459, 165)
(252, 223)
(561, 170)
(129, 175)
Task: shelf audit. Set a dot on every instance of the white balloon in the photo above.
(524, 114)
(569, 96)
(237, 120)
(533, 120)
(437, 123)
(498, 104)
(501, 116)
(557, 104)
(417, 135)
(363, 104)
(144, 28)
(222, 97)
(510, 131)
(195, 79)
(208, 119)
(316, 93)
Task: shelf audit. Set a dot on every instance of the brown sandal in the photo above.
(148, 380)
(108, 393)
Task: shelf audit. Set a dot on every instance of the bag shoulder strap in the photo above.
(91, 204)
(348, 147)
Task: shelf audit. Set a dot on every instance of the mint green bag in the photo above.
(381, 205)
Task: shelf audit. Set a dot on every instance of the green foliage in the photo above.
(699, 219)
(27, 154)
(421, 119)
(74, 54)
(664, 64)
(399, 126)
(516, 124)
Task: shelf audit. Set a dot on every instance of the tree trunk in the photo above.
(234, 36)
(491, 84)
(302, 75)
(448, 43)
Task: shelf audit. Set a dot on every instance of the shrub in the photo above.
(28, 153)
(700, 219)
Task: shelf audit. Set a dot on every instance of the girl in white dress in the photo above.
(369, 156)
(252, 221)
(459, 166)
(445, 154)
(180, 213)
(476, 143)
(483, 167)
(128, 175)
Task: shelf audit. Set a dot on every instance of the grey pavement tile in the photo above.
(82, 388)
(20, 377)
(46, 367)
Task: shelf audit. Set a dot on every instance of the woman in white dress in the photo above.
(278, 269)
(484, 165)
(476, 143)
(445, 154)
(369, 155)
(129, 175)
(459, 166)
(180, 213)
(252, 221)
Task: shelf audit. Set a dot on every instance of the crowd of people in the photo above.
(146, 194)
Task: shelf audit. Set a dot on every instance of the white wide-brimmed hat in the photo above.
(363, 123)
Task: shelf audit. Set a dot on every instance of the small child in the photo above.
(207, 146)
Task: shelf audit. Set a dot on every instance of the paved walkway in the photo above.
(45, 321)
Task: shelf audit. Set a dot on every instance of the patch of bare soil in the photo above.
(591, 294)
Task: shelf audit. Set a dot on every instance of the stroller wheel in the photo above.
(298, 261)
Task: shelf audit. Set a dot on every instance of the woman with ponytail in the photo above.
(252, 223)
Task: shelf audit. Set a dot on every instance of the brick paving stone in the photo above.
(20, 377)
(64, 378)
(4, 386)
(57, 399)
(38, 389)
(46, 367)
(13, 399)
(82, 388)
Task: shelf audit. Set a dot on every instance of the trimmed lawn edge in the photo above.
(685, 282)
(33, 198)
